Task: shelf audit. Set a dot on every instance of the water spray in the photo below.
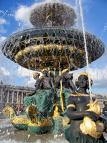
(85, 46)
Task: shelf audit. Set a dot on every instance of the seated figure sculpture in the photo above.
(64, 86)
(86, 125)
(43, 96)
(40, 103)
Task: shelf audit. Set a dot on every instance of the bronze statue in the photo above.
(43, 96)
(83, 83)
(86, 125)
(67, 82)
(64, 87)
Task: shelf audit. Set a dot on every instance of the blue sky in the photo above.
(13, 17)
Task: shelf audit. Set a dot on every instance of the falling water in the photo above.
(85, 44)
(53, 1)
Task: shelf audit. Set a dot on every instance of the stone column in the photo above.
(1, 99)
(17, 102)
(12, 97)
(22, 97)
(8, 96)
(1, 94)
(17, 97)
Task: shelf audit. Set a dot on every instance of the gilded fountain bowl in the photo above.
(55, 48)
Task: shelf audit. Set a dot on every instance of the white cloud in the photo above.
(22, 15)
(31, 82)
(2, 21)
(4, 72)
(52, 1)
(24, 72)
(98, 73)
(2, 38)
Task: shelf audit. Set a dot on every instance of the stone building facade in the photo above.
(13, 95)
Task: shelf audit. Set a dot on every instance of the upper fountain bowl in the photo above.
(50, 14)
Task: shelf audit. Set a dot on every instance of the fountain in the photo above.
(52, 48)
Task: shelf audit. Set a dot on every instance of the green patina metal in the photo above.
(21, 126)
(39, 130)
(43, 99)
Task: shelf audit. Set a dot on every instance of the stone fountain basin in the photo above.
(8, 134)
